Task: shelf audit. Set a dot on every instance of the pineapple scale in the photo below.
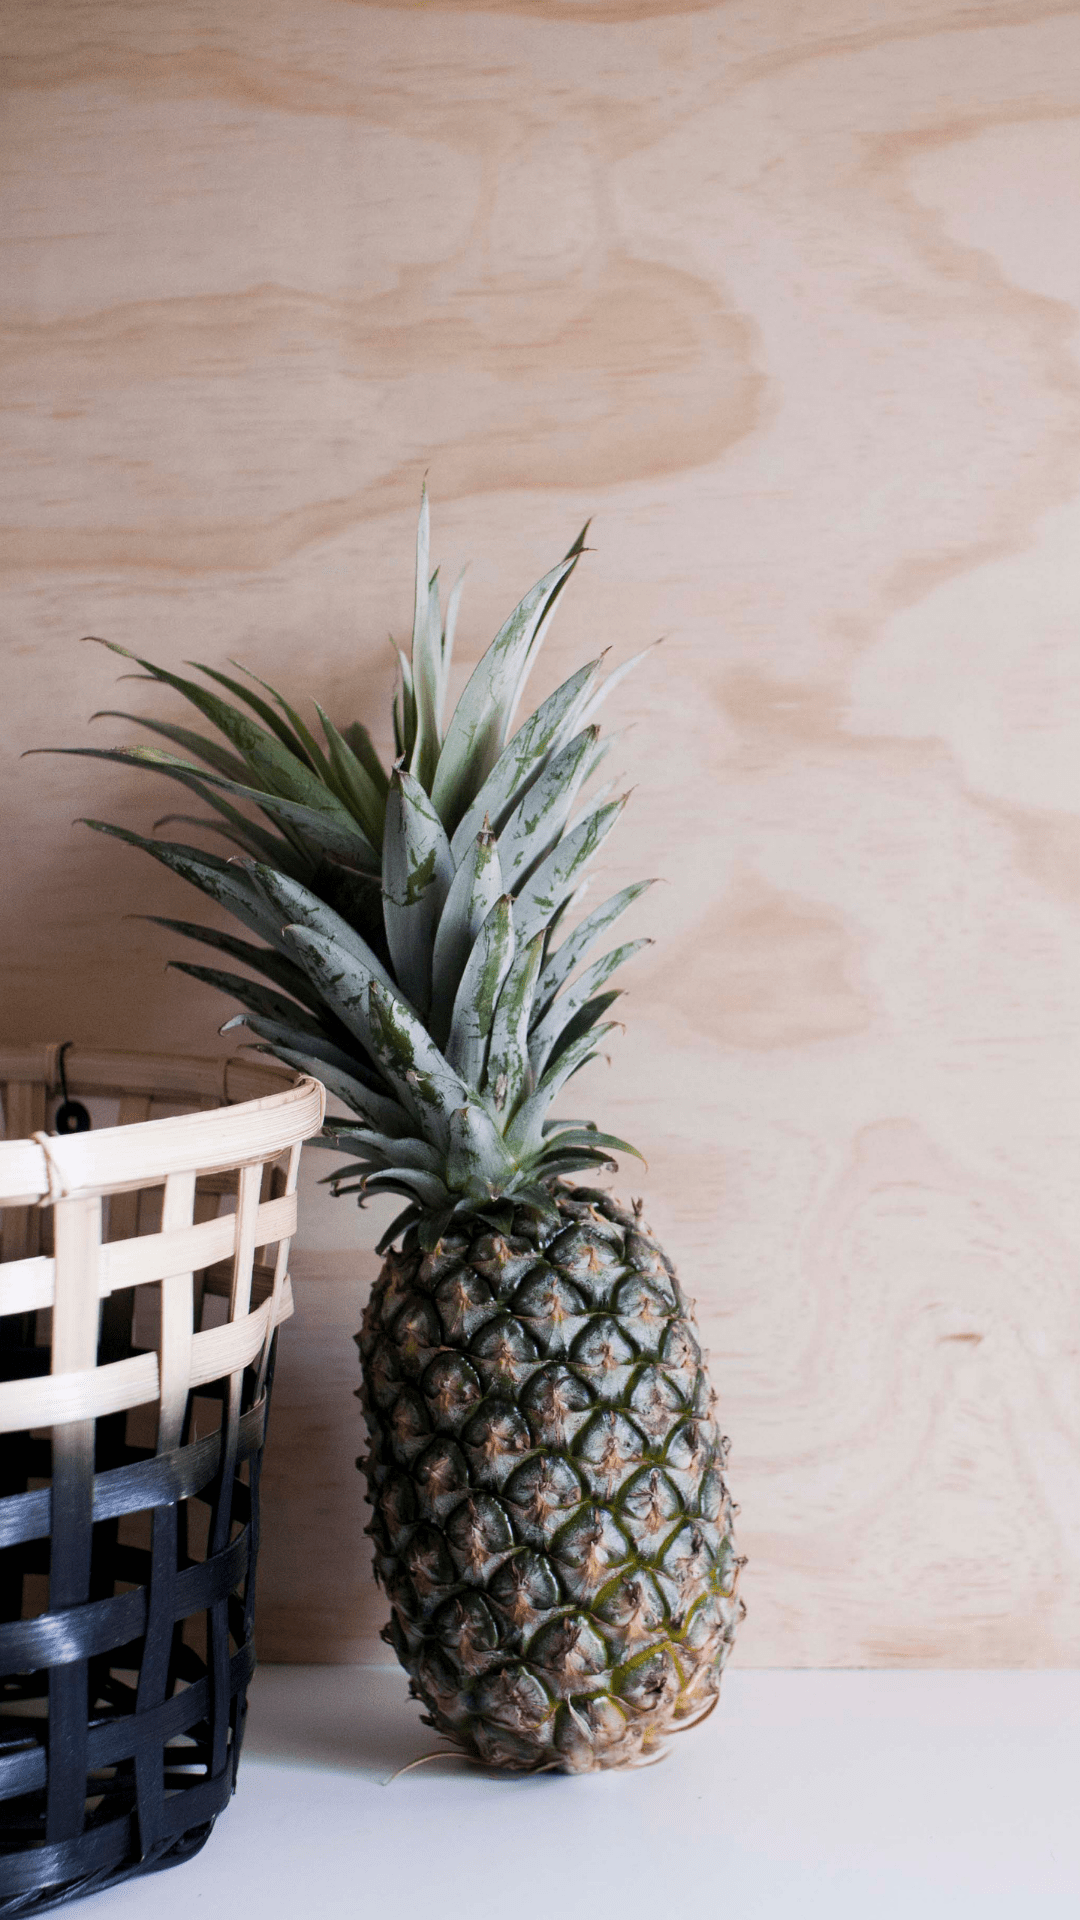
(551, 1520)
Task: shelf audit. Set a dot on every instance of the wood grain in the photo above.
(786, 297)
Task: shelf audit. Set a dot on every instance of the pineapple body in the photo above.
(551, 1520)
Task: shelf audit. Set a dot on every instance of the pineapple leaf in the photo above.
(573, 555)
(405, 1051)
(298, 906)
(219, 758)
(477, 1163)
(586, 1016)
(274, 723)
(330, 827)
(341, 978)
(577, 1160)
(508, 1068)
(590, 1137)
(329, 830)
(474, 890)
(426, 656)
(258, 999)
(374, 1107)
(358, 740)
(251, 840)
(268, 757)
(404, 708)
(524, 757)
(478, 992)
(393, 1151)
(562, 1011)
(264, 959)
(279, 1033)
(448, 633)
(524, 1136)
(410, 1216)
(541, 813)
(310, 749)
(558, 874)
(562, 962)
(477, 731)
(428, 1188)
(217, 878)
(616, 678)
(365, 800)
(417, 869)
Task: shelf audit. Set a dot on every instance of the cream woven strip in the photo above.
(247, 1214)
(59, 1398)
(28, 1284)
(23, 1175)
(177, 1331)
(130, 1263)
(117, 1158)
(280, 1265)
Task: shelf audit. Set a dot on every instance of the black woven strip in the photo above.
(105, 1848)
(69, 1584)
(155, 1481)
(111, 1741)
(217, 1624)
(154, 1676)
(78, 1633)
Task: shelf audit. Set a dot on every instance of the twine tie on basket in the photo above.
(59, 1186)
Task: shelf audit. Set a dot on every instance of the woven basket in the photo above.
(144, 1276)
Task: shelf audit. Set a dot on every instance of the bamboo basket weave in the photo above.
(143, 1279)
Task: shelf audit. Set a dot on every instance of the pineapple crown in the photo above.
(408, 920)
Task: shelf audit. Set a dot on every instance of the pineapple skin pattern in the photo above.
(551, 1520)
(550, 1517)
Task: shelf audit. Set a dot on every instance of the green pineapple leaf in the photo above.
(561, 964)
(375, 1108)
(538, 819)
(477, 1163)
(508, 1075)
(219, 879)
(557, 875)
(478, 992)
(476, 886)
(258, 999)
(298, 906)
(559, 1015)
(477, 731)
(524, 757)
(195, 744)
(417, 869)
(525, 1136)
(265, 960)
(359, 742)
(365, 799)
(310, 749)
(424, 1079)
(274, 722)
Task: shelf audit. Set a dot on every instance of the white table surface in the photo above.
(853, 1795)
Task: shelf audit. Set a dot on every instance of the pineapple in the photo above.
(550, 1517)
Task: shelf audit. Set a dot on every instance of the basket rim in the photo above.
(114, 1072)
(48, 1168)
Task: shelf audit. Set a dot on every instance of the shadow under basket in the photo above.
(136, 1356)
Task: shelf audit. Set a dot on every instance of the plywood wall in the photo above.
(785, 295)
